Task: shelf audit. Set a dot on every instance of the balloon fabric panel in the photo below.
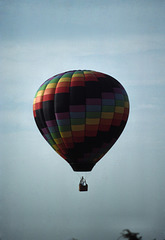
(81, 114)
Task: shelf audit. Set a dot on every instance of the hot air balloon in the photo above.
(81, 114)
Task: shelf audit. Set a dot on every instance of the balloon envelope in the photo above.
(81, 114)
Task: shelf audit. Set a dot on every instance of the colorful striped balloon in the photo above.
(81, 114)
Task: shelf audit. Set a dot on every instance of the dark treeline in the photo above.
(127, 234)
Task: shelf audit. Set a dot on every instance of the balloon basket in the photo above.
(83, 188)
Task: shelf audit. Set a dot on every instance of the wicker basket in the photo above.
(83, 188)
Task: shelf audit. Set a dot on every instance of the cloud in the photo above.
(63, 19)
(85, 46)
(147, 107)
(15, 120)
(138, 52)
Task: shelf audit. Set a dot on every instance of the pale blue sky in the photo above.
(40, 198)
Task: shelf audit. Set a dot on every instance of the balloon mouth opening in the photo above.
(82, 167)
